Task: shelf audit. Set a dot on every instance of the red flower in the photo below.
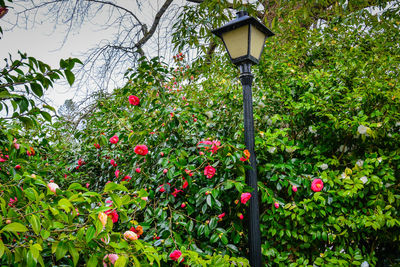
(209, 171)
(126, 178)
(30, 151)
(141, 150)
(294, 188)
(183, 205)
(276, 204)
(162, 189)
(114, 139)
(245, 197)
(117, 173)
(317, 185)
(189, 172)
(97, 146)
(222, 215)
(12, 201)
(113, 215)
(185, 184)
(17, 167)
(138, 170)
(112, 162)
(176, 191)
(80, 162)
(134, 100)
(241, 216)
(175, 255)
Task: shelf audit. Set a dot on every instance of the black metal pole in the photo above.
(251, 175)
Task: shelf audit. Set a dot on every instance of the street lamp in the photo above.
(244, 39)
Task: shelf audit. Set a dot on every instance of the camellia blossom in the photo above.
(364, 179)
(111, 258)
(117, 173)
(185, 184)
(103, 218)
(129, 235)
(144, 198)
(324, 166)
(114, 139)
(209, 171)
(80, 162)
(97, 146)
(222, 215)
(17, 167)
(362, 129)
(15, 144)
(126, 178)
(113, 215)
(141, 150)
(53, 187)
(210, 145)
(294, 188)
(317, 185)
(112, 162)
(183, 205)
(138, 230)
(134, 100)
(276, 204)
(246, 155)
(175, 193)
(241, 216)
(245, 197)
(175, 255)
(12, 201)
(138, 170)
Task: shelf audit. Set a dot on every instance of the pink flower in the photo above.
(129, 235)
(141, 150)
(12, 201)
(103, 218)
(17, 167)
(209, 171)
(222, 215)
(175, 193)
(138, 170)
(117, 173)
(185, 184)
(114, 139)
(162, 154)
(2, 160)
(175, 255)
(241, 216)
(144, 198)
(183, 205)
(134, 100)
(245, 197)
(112, 162)
(87, 185)
(189, 172)
(317, 185)
(165, 171)
(294, 188)
(53, 187)
(97, 146)
(15, 144)
(276, 204)
(112, 258)
(113, 215)
(126, 178)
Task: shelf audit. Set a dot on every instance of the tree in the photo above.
(136, 34)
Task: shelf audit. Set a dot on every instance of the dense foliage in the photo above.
(154, 174)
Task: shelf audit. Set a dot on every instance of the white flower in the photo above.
(379, 159)
(311, 129)
(364, 264)
(343, 175)
(364, 179)
(324, 166)
(360, 163)
(343, 148)
(362, 129)
(209, 114)
(272, 150)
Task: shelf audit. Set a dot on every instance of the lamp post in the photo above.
(244, 39)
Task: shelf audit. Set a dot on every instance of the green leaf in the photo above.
(61, 250)
(70, 76)
(14, 227)
(65, 204)
(121, 262)
(74, 253)
(92, 261)
(46, 115)
(35, 223)
(90, 234)
(37, 89)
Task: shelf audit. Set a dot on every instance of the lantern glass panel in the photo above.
(236, 41)
(257, 42)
